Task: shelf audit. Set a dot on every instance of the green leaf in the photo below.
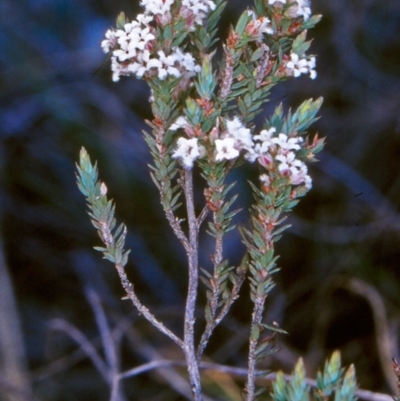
(255, 332)
(242, 23)
(311, 22)
(274, 328)
(257, 54)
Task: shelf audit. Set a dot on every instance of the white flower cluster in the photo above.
(300, 8)
(298, 66)
(278, 152)
(273, 152)
(133, 46)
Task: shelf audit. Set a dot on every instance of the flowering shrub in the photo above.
(204, 107)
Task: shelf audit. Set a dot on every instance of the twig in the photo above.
(176, 228)
(382, 335)
(202, 216)
(383, 342)
(141, 345)
(189, 347)
(86, 346)
(216, 321)
(108, 343)
(104, 330)
(128, 287)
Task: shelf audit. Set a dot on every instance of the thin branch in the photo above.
(382, 336)
(128, 287)
(108, 343)
(202, 216)
(213, 301)
(174, 222)
(86, 346)
(104, 330)
(225, 309)
(109, 240)
(142, 346)
(189, 347)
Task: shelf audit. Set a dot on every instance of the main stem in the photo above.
(193, 253)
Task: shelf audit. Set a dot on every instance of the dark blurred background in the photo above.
(340, 281)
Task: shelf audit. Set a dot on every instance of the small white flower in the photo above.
(241, 134)
(226, 149)
(143, 19)
(299, 175)
(303, 9)
(300, 8)
(110, 42)
(286, 162)
(265, 135)
(118, 69)
(167, 65)
(196, 10)
(156, 7)
(186, 60)
(311, 66)
(308, 182)
(299, 66)
(295, 169)
(266, 26)
(287, 143)
(181, 122)
(261, 151)
(125, 52)
(264, 178)
(259, 26)
(187, 151)
(253, 154)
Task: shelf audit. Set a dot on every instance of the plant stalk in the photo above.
(189, 346)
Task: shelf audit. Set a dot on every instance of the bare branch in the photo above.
(128, 287)
(202, 216)
(174, 222)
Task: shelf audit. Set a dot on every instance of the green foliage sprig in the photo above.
(333, 381)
